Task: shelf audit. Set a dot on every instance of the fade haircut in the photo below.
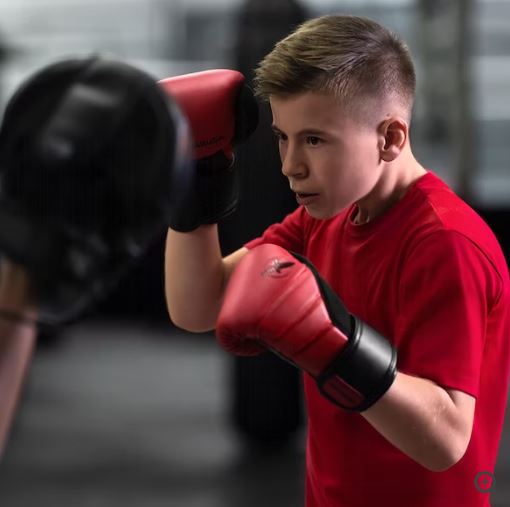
(351, 57)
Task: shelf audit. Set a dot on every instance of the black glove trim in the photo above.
(336, 309)
(368, 365)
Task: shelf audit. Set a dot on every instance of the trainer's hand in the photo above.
(278, 301)
(222, 113)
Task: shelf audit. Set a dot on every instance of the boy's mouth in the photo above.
(302, 194)
(305, 198)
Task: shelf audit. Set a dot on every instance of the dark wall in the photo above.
(498, 220)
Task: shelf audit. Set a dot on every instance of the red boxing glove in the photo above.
(277, 300)
(222, 113)
(213, 102)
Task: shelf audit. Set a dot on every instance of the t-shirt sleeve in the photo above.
(288, 234)
(445, 296)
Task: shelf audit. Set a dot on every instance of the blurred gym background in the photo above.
(122, 408)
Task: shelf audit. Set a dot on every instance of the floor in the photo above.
(125, 415)
(120, 414)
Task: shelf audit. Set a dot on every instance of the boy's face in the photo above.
(330, 160)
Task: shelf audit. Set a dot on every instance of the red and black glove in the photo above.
(276, 300)
(222, 112)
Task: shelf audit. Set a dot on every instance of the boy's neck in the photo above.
(393, 185)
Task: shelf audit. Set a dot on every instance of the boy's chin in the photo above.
(321, 214)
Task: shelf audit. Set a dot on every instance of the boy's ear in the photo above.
(393, 133)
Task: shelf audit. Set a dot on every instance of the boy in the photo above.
(402, 252)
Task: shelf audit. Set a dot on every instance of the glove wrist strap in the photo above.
(213, 196)
(362, 373)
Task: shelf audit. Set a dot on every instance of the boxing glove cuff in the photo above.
(214, 194)
(362, 373)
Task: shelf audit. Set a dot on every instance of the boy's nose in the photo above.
(293, 163)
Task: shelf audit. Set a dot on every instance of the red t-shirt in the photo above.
(430, 276)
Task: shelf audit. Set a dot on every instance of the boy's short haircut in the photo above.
(353, 58)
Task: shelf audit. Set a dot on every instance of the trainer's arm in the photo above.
(17, 341)
(195, 277)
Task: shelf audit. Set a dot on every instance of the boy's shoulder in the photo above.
(439, 211)
(447, 211)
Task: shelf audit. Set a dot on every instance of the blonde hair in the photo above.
(350, 57)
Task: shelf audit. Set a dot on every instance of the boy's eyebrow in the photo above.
(306, 131)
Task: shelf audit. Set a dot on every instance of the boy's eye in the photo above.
(313, 140)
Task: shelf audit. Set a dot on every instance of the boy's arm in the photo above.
(277, 301)
(222, 113)
(195, 277)
(17, 339)
(430, 424)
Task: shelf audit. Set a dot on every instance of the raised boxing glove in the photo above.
(276, 300)
(222, 113)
